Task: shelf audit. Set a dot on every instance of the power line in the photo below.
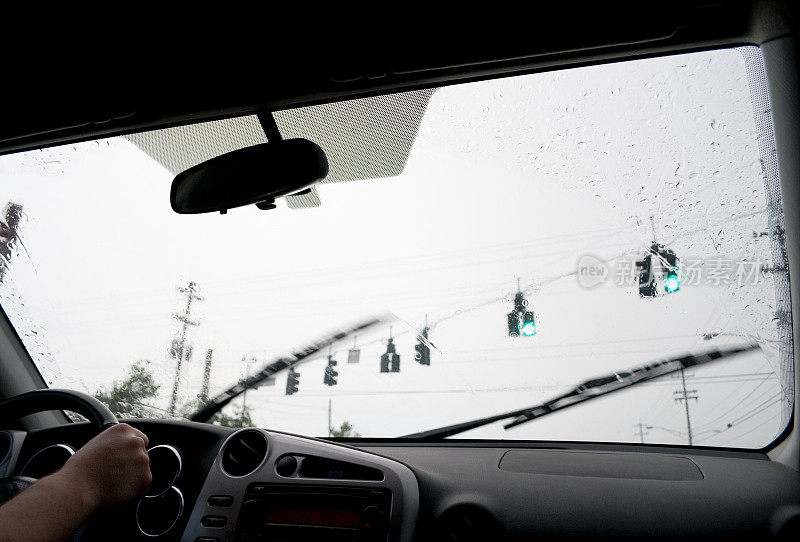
(685, 397)
(740, 435)
(734, 407)
(656, 407)
(703, 380)
(758, 408)
(360, 393)
(762, 407)
(729, 427)
(674, 431)
(556, 238)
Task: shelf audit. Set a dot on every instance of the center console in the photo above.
(272, 486)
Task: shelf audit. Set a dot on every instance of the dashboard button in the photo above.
(213, 521)
(373, 523)
(220, 500)
(258, 490)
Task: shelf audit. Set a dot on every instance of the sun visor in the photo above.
(367, 138)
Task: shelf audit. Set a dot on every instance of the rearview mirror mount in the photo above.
(252, 175)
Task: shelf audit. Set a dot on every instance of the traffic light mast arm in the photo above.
(589, 389)
(219, 402)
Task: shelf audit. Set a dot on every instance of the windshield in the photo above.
(526, 234)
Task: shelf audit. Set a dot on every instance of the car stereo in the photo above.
(298, 513)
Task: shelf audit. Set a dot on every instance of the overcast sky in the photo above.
(517, 177)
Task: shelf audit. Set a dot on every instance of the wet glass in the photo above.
(544, 229)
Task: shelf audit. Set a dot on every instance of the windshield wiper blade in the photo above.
(590, 389)
(217, 403)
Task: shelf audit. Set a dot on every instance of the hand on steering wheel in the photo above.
(113, 467)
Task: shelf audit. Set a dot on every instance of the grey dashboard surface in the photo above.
(485, 490)
(583, 492)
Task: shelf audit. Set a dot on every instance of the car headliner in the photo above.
(145, 84)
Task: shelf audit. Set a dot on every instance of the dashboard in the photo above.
(215, 484)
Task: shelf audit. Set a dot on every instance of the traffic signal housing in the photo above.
(672, 283)
(520, 320)
(330, 372)
(390, 361)
(292, 382)
(423, 349)
(513, 324)
(647, 283)
(658, 267)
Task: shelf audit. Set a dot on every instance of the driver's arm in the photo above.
(111, 468)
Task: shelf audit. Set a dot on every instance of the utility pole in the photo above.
(203, 397)
(330, 429)
(180, 345)
(641, 430)
(684, 395)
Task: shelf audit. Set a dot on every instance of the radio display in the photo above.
(327, 517)
(300, 513)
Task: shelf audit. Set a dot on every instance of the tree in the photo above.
(132, 397)
(344, 430)
(129, 398)
(241, 417)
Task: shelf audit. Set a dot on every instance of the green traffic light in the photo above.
(529, 329)
(671, 283)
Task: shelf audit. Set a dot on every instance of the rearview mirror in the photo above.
(256, 174)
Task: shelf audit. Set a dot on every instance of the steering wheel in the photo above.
(31, 402)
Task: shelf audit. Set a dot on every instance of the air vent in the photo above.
(244, 452)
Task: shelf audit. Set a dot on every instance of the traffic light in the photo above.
(671, 281)
(667, 272)
(520, 320)
(390, 361)
(513, 324)
(292, 382)
(647, 283)
(528, 324)
(330, 372)
(423, 355)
